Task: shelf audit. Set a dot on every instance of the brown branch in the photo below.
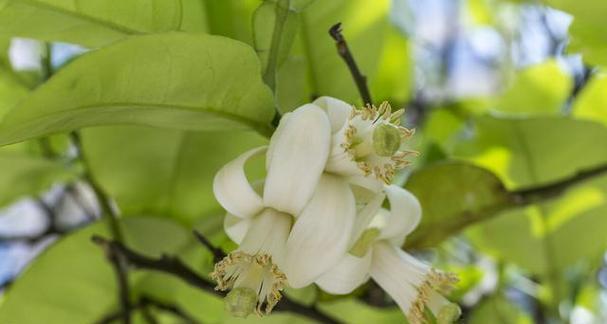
(144, 303)
(536, 194)
(218, 253)
(428, 236)
(173, 266)
(118, 263)
(346, 55)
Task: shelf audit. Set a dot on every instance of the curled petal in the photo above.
(346, 276)
(233, 190)
(236, 227)
(405, 214)
(366, 215)
(298, 154)
(337, 110)
(268, 234)
(320, 237)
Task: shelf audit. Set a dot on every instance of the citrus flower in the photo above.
(294, 228)
(366, 143)
(375, 252)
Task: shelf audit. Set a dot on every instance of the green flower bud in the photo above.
(386, 140)
(240, 302)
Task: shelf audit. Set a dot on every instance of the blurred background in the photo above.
(509, 102)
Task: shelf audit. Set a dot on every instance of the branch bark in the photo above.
(343, 51)
(173, 266)
(118, 262)
(517, 198)
(144, 303)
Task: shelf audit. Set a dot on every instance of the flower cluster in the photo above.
(317, 217)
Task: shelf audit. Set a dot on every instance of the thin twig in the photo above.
(346, 55)
(144, 303)
(172, 265)
(430, 236)
(118, 263)
(218, 253)
(536, 194)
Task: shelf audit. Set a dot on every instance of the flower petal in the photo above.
(392, 274)
(233, 190)
(299, 152)
(365, 215)
(346, 276)
(337, 110)
(268, 234)
(321, 234)
(236, 227)
(405, 214)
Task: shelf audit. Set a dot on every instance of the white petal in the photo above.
(405, 214)
(365, 216)
(236, 227)
(268, 234)
(346, 276)
(233, 190)
(337, 110)
(321, 234)
(300, 148)
(392, 274)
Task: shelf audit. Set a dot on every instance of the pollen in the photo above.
(373, 140)
(256, 283)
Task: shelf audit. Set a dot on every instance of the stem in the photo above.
(172, 265)
(118, 262)
(282, 13)
(218, 253)
(346, 55)
(426, 237)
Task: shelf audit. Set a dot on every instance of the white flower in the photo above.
(376, 252)
(296, 230)
(367, 142)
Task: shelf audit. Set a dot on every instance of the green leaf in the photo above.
(372, 40)
(498, 310)
(274, 28)
(586, 31)
(24, 173)
(552, 236)
(164, 172)
(591, 103)
(525, 152)
(539, 89)
(453, 195)
(96, 23)
(72, 282)
(350, 310)
(191, 82)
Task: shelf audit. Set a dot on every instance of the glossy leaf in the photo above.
(193, 82)
(538, 89)
(164, 172)
(369, 35)
(72, 282)
(586, 30)
(591, 103)
(24, 173)
(95, 23)
(553, 236)
(525, 152)
(453, 195)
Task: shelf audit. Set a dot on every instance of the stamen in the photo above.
(246, 274)
(373, 138)
(441, 282)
